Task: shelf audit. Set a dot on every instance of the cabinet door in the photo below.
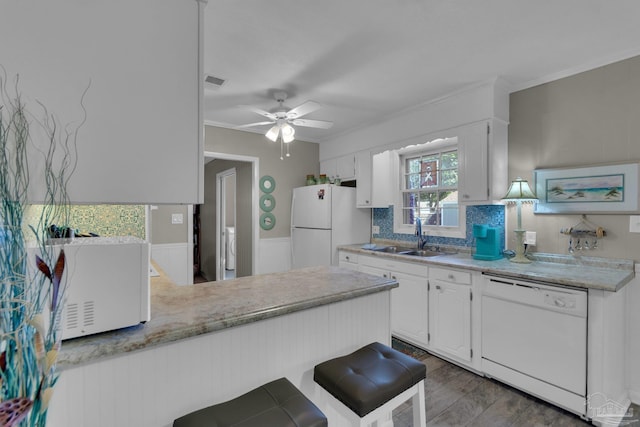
(473, 166)
(328, 168)
(346, 167)
(450, 319)
(363, 179)
(409, 309)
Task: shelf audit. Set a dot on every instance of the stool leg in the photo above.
(419, 412)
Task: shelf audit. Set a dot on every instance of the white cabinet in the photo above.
(142, 141)
(348, 260)
(482, 162)
(342, 167)
(364, 197)
(450, 313)
(409, 301)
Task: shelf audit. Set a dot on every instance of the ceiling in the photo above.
(364, 60)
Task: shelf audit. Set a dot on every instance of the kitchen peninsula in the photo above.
(210, 342)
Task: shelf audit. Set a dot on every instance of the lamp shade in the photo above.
(288, 133)
(272, 134)
(520, 191)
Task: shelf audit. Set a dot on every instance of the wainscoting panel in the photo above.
(173, 259)
(274, 255)
(150, 388)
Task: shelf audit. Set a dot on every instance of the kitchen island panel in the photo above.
(152, 387)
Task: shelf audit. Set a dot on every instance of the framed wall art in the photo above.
(602, 189)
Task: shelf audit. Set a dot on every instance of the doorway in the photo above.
(226, 227)
(212, 227)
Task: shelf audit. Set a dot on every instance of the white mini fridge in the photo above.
(324, 217)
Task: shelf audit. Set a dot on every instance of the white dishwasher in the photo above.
(534, 337)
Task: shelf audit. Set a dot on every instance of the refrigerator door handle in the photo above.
(293, 203)
(293, 261)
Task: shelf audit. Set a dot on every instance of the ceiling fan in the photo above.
(282, 120)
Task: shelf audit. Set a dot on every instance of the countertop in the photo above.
(581, 272)
(179, 312)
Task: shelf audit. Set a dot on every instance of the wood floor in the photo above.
(457, 397)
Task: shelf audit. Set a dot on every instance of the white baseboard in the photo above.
(173, 259)
(274, 255)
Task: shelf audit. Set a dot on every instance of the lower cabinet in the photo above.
(409, 301)
(450, 301)
(431, 308)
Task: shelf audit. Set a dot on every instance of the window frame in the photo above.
(436, 146)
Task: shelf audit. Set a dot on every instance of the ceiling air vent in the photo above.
(213, 80)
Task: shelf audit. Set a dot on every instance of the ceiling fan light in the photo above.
(288, 133)
(272, 134)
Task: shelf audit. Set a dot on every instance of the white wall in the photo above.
(483, 101)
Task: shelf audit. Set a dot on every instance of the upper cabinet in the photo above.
(140, 65)
(482, 162)
(342, 167)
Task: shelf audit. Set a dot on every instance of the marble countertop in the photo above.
(179, 312)
(581, 272)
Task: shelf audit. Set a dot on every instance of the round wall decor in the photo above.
(267, 221)
(267, 184)
(267, 202)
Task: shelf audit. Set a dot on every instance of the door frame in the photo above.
(221, 221)
(255, 195)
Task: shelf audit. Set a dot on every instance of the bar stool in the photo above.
(278, 403)
(372, 381)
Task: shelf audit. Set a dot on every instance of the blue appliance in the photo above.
(487, 242)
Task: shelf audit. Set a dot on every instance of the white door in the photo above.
(310, 247)
(450, 318)
(311, 207)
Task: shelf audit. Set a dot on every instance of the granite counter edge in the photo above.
(84, 350)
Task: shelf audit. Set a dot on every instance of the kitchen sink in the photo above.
(399, 250)
(422, 253)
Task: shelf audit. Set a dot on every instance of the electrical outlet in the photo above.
(375, 229)
(176, 218)
(634, 224)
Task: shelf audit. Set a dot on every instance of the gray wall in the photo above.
(589, 118)
(288, 173)
(163, 231)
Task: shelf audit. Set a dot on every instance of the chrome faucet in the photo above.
(422, 240)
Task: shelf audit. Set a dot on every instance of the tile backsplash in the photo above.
(492, 215)
(104, 220)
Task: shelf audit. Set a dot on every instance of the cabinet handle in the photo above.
(347, 258)
(465, 196)
(394, 277)
(384, 275)
(438, 287)
(451, 277)
(366, 202)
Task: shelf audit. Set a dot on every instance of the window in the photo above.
(429, 189)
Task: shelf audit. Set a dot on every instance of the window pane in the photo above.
(413, 165)
(429, 173)
(450, 160)
(412, 181)
(410, 207)
(450, 178)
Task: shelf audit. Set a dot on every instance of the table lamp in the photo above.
(520, 192)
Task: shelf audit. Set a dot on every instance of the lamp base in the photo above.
(520, 258)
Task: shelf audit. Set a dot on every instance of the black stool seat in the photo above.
(278, 404)
(369, 377)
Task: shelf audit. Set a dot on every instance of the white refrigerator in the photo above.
(324, 217)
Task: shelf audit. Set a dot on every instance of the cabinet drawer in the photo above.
(452, 276)
(347, 257)
(394, 266)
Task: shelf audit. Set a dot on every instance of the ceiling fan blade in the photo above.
(259, 111)
(256, 124)
(302, 109)
(321, 124)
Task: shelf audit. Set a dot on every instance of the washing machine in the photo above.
(231, 248)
